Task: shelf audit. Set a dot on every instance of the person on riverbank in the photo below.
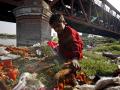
(70, 48)
(70, 42)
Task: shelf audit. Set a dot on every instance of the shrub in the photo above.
(97, 64)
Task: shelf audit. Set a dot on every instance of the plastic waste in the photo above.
(28, 81)
(13, 56)
(3, 51)
(36, 45)
(9, 56)
(38, 52)
(5, 57)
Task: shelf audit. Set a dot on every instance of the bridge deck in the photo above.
(86, 15)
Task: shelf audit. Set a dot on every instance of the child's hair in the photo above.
(56, 18)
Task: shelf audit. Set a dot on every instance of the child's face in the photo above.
(58, 27)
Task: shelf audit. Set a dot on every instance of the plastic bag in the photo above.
(28, 81)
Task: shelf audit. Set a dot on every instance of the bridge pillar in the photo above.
(32, 22)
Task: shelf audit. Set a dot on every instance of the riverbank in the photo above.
(7, 36)
(39, 63)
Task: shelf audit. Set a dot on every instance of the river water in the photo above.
(8, 41)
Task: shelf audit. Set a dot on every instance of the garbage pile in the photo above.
(21, 66)
(37, 68)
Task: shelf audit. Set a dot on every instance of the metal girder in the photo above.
(12, 2)
(113, 8)
(53, 2)
(84, 27)
(95, 28)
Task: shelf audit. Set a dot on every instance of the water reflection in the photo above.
(8, 41)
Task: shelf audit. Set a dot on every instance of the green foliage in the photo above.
(115, 47)
(111, 47)
(46, 50)
(55, 39)
(7, 36)
(97, 64)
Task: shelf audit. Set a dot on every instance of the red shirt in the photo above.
(70, 44)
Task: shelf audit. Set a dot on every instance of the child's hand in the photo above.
(75, 63)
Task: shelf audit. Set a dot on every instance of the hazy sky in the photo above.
(115, 3)
(7, 27)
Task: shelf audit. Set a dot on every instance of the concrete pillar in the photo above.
(32, 22)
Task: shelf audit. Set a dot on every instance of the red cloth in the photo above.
(70, 44)
(13, 73)
(52, 44)
(6, 63)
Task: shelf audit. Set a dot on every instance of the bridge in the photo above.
(91, 16)
(97, 17)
